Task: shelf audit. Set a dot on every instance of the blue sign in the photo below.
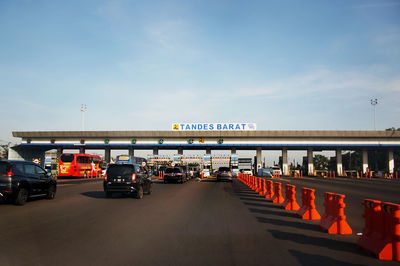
(214, 126)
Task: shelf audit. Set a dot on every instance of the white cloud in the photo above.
(323, 82)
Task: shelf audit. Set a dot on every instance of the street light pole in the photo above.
(83, 110)
(374, 102)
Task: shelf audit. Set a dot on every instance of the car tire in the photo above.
(150, 189)
(108, 194)
(21, 197)
(51, 193)
(139, 193)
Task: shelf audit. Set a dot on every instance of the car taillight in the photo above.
(10, 173)
(105, 177)
(133, 177)
(230, 173)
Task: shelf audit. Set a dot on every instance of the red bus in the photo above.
(79, 165)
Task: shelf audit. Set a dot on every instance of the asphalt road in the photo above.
(196, 223)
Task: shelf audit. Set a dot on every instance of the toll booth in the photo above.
(193, 164)
(156, 161)
(225, 160)
(207, 165)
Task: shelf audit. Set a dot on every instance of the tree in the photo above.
(321, 162)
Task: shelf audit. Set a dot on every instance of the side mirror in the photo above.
(48, 174)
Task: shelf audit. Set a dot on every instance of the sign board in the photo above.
(214, 126)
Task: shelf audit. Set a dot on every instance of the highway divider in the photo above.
(334, 220)
(277, 198)
(290, 203)
(308, 210)
(381, 233)
(270, 190)
(263, 189)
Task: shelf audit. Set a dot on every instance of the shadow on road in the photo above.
(94, 194)
(273, 212)
(316, 241)
(294, 224)
(258, 199)
(317, 260)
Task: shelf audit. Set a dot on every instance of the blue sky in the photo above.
(142, 65)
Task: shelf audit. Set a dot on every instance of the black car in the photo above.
(175, 174)
(224, 173)
(20, 180)
(127, 178)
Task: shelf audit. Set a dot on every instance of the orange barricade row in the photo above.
(277, 198)
(290, 203)
(259, 186)
(308, 210)
(263, 189)
(334, 220)
(270, 192)
(381, 232)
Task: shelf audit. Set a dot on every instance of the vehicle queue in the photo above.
(21, 180)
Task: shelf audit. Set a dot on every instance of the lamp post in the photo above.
(83, 110)
(374, 102)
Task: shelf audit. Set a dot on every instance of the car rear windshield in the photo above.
(120, 170)
(67, 158)
(4, 168)
(172, 170)
(224, 169)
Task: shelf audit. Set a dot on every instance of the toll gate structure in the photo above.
(35, 143)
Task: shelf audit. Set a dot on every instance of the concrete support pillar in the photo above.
(59, 152)
(310, 159)
(155, 151)
(259, 159)
(82, 150)
(233, 150)
(131, 152)
(364, 160)
(391, 161)
(208, 150)
(285, 166)
(339, 162)
(107, 155)
(180, 151)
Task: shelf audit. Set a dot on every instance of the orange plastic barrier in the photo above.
(258, 186)
(381, 233)
(308, 210)
(277, 198)
(290, 203)
(263, 189)
(270, 193)
(334, 220)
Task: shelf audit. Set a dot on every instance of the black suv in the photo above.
(20, 180)
(224, 173)
(127, 178)
(175, 174)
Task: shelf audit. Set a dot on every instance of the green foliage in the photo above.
(321, 162)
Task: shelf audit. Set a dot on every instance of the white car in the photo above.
(276, 169)
(247, 172)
